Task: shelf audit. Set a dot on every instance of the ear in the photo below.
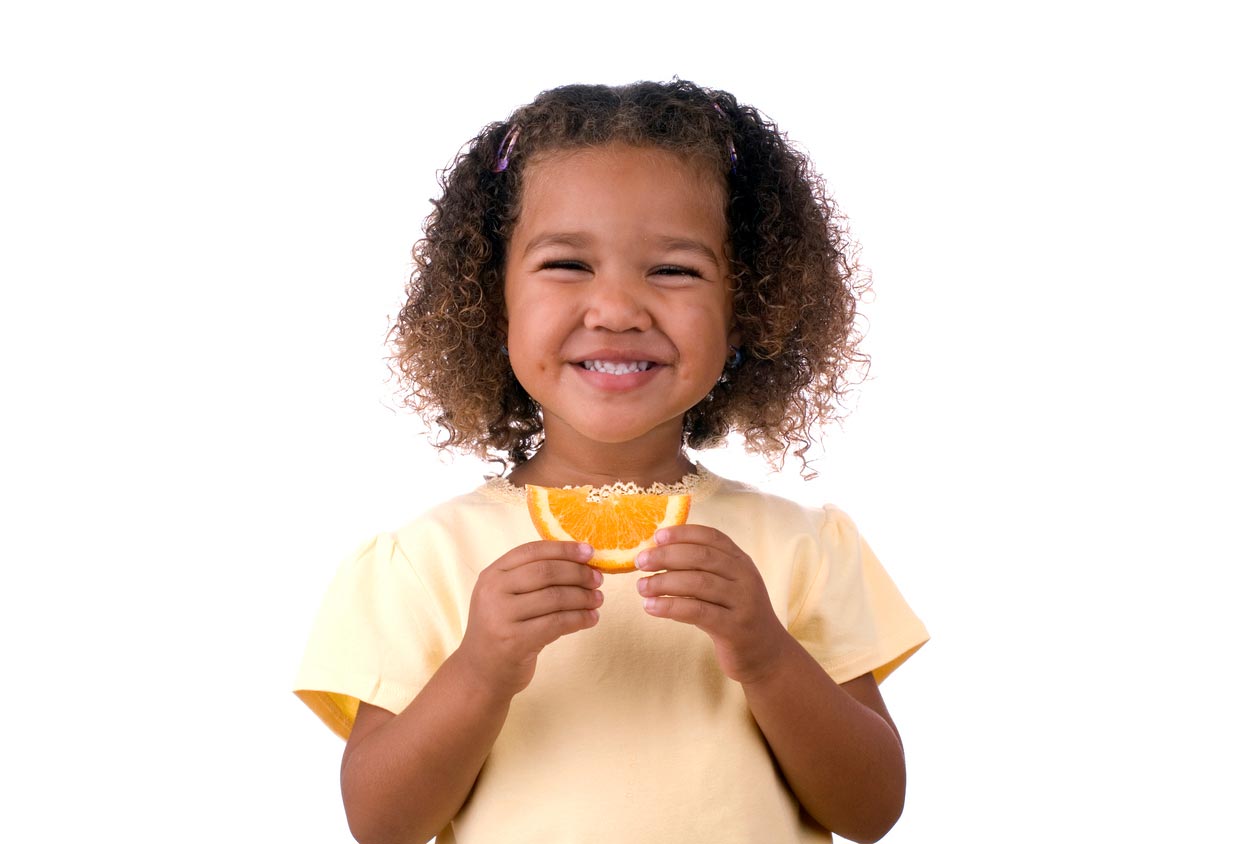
(735, 336)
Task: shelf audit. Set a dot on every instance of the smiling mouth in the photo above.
(616, 367)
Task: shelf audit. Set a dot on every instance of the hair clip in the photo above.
(506, 149)
(732, 148)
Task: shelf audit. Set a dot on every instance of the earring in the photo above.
(504, 349)
(731, 364)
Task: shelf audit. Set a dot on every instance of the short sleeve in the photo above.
(377, 638)
(854, 621)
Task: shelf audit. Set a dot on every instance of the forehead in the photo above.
(647, 180)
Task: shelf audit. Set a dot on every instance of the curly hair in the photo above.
(793, 268)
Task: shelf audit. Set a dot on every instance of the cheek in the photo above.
(532, 344)
(706, 342)
(715, 325)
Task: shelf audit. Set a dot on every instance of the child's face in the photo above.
(617, 294)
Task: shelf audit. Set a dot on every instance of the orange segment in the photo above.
(616, 526)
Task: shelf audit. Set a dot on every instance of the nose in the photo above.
(618, 301)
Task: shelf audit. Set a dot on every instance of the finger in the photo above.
(685, 556)
(541, 574)
(546, 629)
(553, 600)
(701, 585)
(696, 535)
(707, 616)
(544, 549)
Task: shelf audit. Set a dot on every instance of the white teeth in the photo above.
(617, 367)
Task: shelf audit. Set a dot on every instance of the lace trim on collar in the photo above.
(699, 483)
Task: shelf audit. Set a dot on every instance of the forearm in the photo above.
(406, 779)
(842, 759)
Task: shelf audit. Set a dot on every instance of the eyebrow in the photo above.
(579, 241)
(679, 244)
(555, 239)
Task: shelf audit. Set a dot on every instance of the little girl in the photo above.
(614, 275)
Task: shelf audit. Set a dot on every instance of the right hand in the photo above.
(524, 601)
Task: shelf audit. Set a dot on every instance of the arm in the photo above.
(835, 744)
(404, 777)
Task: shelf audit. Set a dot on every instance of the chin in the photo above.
(615, 432)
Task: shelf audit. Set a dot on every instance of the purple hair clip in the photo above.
(732, 149)
(506, 149)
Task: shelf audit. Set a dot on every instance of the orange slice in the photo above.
(617, 525)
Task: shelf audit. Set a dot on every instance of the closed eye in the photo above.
(671, 269)
(563, 265)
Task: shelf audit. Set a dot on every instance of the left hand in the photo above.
(707, 581)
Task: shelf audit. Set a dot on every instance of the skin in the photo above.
(620, 253)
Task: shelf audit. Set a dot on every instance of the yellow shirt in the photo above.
(629, 730)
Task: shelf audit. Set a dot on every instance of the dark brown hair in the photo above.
(793, 267)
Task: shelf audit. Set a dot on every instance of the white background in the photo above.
(206, 217)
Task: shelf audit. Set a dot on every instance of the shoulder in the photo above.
(739, 503)
(492, 500)
(792, 542)
(471, 529)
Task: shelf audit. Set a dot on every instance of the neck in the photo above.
(654, 458)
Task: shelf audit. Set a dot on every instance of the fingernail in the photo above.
(597, 577)
(642, 585)
(649, 604)
(641, 560)
(661, 535)
(585, 551)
